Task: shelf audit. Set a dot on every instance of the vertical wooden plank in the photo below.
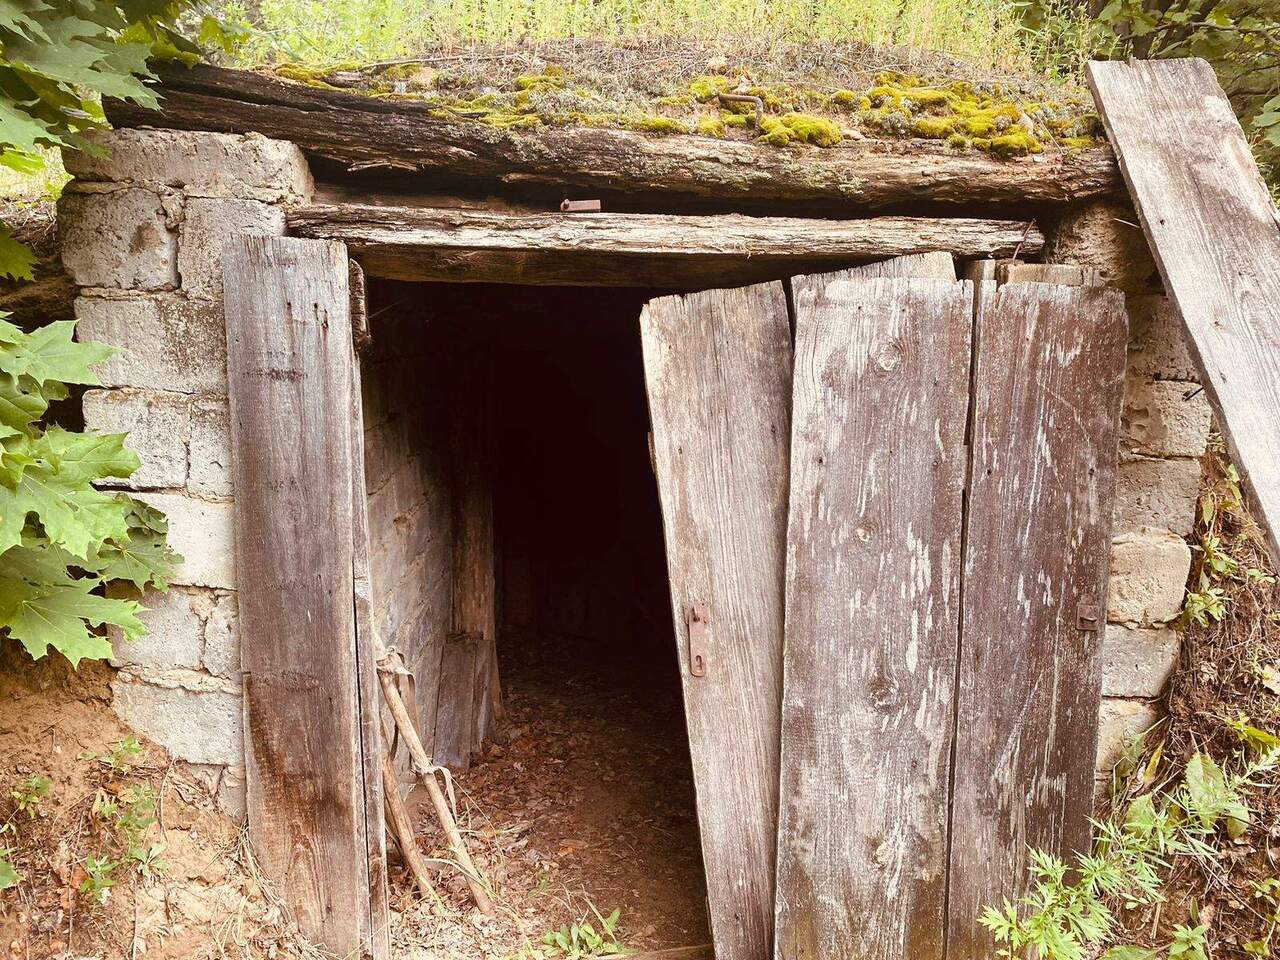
(1213, 231)
(1048, 384)
(289, 365)
(873, 607)
(455, 710)
(718, 371)
(367, 652)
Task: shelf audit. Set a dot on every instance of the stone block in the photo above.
(1164, 418)
(1120, 723)
(231, 793)
(1148, 576)
(1137, 662)
(175, 630)
(159, 426)
(209, 470)
(123, 239)
(221, 654)
(207, 225)
(200, 164)
(165, 341)
(1104, 234)
(1157, 493)
(1157, 343)
(200, 726)
(203, 532)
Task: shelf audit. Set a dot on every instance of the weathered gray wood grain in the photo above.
(718, 371)
(455, 704)
(368, 689)
(1048, 382)
(1213, 230)
(289, 362)
(873, 607)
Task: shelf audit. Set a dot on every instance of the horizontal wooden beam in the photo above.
(361, 131)
(637, 249)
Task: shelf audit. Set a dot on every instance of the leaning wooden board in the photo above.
(290, 372)
(872, 612)
(1048, 381)
(1213, 231)
(718, 372)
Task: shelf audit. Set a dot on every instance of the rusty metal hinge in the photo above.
(695, 621)
(1088, 617)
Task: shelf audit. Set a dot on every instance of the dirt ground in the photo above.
(582, 804)
(176, 879)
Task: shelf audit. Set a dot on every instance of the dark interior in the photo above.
(586, 646)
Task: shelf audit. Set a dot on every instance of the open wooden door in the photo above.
(718, 370)
(311, 732)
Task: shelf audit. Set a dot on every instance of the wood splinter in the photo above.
(425, 770)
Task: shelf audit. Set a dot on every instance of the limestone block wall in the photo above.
(406, 479)
(142, 227)
(1164, 428)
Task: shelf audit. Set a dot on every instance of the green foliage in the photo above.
(580, 940)
(9, 877)
(99, 877)
(332, 31)
(61, 537)
(1241, 38)
(1069, 912)
(29, 793)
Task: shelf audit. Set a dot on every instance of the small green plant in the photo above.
(136, 811)
(1068, 912)
(9, 877)
(29, 793)
(1208, 604)
(99, 878)
(581, 939)
(146, 860)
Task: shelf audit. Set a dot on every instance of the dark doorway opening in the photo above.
(583, 788)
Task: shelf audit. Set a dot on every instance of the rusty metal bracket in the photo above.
(1088, 617)
(580, 206)
(695, 621)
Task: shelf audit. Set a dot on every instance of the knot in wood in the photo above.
(887, 355)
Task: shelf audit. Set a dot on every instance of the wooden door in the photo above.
(311, 736)
(1048, 381)
(872, 610)
(718, 370)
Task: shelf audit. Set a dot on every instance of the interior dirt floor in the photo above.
(581, 805)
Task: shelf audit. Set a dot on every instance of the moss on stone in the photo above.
(707, 87)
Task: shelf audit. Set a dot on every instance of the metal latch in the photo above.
(1088, 618)
(695, 621)
(580, 206)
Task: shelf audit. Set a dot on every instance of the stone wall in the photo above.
(1164, 427)
(406, 478)
(142, 230)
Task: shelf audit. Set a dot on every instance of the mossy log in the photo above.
(637, 249)
(363, 132)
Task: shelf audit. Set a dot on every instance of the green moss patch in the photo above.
(963, 114)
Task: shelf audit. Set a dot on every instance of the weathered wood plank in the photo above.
(370, 698)
(1213, 230)
(1048, 382)
(359, 130)
(455, 704)
(473, 556)
(872, 608)
(290, 374)
(718, 371)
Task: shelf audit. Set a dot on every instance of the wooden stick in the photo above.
(402, 827)
(424, 768)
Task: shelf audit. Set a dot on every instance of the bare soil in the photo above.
(201, 900)
(582, 804)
